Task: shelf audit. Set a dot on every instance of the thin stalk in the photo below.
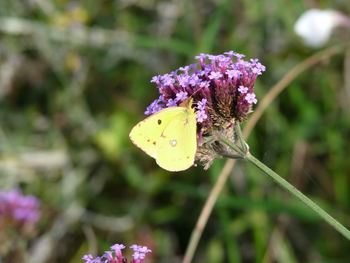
(234, 147)
(240, 137)
(232, 156)
(278, 179)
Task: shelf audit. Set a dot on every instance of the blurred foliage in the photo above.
(74, 79)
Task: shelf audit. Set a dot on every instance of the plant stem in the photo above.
(278, 179)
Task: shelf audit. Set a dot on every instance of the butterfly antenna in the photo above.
(189, 101)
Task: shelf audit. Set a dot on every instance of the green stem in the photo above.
(240, 136)
(233, 146)
(278, 179)
(329, 219)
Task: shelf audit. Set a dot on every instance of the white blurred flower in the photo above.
(315, 26)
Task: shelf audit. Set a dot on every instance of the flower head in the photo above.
(116, 256)
(217, 79)
(222, 89)
(19, 209)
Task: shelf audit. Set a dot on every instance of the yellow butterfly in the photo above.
(169, 136)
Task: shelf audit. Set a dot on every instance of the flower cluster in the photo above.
(222, 88)
(18, 208)
(115, 256)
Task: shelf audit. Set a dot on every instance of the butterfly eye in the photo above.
(159, 122)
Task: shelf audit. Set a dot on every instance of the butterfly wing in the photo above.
(146, 133)
(177, 144)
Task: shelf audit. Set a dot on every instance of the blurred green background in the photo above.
(74, 79)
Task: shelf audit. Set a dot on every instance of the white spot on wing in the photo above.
(173, 143)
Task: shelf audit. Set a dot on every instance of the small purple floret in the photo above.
(88, 258)
(250, 98)
(233, 74)
(242, 89)
(155, 79)
(215, 75)
(154, 107)
(140, 253)
(201, 111)
(171, 103)
(117, 247)
(183, 80)
(168, 80)
(181, 96)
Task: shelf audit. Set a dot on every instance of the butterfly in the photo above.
(169, 136)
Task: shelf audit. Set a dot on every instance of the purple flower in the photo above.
(140, 253)
(168, 80)
(204, 84)
(201, 111)
(183, 80)
(181, 96)
(222, 87)
(156, 79)
(211, 57)
(117, 247)
(239, 56)
(215, 75)
(194, 80)
(234, 73)
(242, 89)
(250, 98)
(108, 255)
(201, 116)
(144, 249)
(116, 256)
(20, 208)
(118, 250)
(184, 69)
(171, 103)
(222, 90)
(234, 54)
(154, 107)
(201, 56)
(88, 258)
(257, 67)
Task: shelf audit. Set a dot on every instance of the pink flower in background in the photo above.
(19, 208)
